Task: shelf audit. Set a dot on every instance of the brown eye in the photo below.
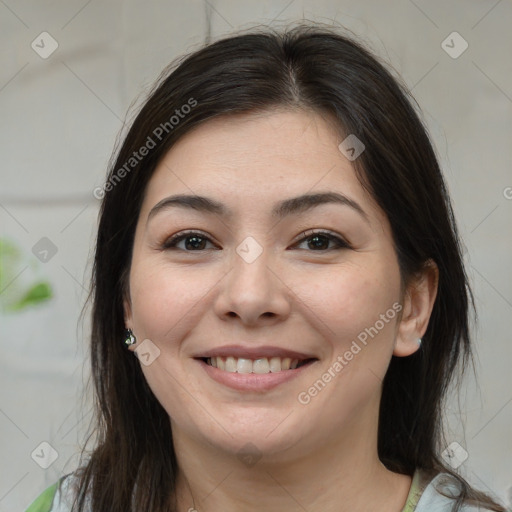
(320, 240)
(194, 241)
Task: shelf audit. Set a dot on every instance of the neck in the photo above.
(339, 476)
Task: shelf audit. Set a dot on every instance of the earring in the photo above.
(419, 341)
(129, 338)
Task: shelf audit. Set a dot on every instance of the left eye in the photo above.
(319, 240)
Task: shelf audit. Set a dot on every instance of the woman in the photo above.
(277, 248)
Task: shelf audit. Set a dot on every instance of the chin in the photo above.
(253, 437)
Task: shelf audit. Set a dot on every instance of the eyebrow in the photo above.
(285, 208)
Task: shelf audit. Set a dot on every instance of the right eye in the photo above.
(194, 241)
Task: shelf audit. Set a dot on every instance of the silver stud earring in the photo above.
(419, 341)
(129, 338)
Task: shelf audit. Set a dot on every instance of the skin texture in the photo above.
(316, 456)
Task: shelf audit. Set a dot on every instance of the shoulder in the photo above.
(59, 497)
(437, 493)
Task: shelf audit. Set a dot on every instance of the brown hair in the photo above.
(133, 465)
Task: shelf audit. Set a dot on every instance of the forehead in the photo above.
(254, 160)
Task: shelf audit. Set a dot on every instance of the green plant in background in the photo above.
(19, 289)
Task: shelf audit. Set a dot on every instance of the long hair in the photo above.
(133, 465)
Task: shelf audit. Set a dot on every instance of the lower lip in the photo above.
(253, 381)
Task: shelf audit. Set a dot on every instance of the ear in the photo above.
(418, 302)
(127, 307)
(128, 320)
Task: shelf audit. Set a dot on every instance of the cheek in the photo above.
(166, 306)
(345, 301)
(165, 299)
(353, 307)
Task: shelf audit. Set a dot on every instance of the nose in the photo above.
(253, 292)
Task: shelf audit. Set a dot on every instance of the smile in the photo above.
(261, 365)
(258, 375)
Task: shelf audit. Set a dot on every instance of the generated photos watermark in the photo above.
(305, 397)
(151, 142)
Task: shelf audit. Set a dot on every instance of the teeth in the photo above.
(275, 364)
(261, 366)
(231, 365)
(244, 365)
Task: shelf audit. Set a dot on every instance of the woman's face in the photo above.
(262, 278)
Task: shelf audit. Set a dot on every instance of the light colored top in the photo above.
(423, 495)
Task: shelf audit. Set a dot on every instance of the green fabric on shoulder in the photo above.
(414, 492)
(44, 502)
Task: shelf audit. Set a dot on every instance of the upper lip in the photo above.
(239, 351)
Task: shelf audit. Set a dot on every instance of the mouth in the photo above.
(254, 369)
(261, 365)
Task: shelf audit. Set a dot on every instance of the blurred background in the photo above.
(69, 72)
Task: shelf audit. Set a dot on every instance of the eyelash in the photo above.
(171, 242)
